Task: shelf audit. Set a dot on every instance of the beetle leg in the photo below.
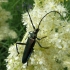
(41, 45)
(20, 44)
(41, 38)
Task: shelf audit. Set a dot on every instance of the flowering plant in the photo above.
(57, 56)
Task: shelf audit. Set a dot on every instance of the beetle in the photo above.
(32, 39)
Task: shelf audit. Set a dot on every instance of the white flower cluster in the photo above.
(57, 30)
(5, 31)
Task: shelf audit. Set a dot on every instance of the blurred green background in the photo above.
(16, 9)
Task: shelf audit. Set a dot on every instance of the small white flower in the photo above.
(25, 23)
(32, 60)
(9, 67)
(10, 61)
(64, 14)
(40, 62)
(24, 65)
(16, 58)
(61, 9)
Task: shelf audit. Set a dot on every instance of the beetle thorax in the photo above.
(34, 33)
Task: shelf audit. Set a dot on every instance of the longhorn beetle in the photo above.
(32, 39)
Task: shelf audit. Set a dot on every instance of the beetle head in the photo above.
(36, 30)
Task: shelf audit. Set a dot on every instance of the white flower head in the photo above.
(57, 40)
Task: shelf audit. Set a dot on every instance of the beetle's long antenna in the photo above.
(46, 15)
(30, 18)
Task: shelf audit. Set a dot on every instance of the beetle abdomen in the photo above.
(25, 58)
(28, 50)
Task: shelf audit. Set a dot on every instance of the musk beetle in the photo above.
(32, 39)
